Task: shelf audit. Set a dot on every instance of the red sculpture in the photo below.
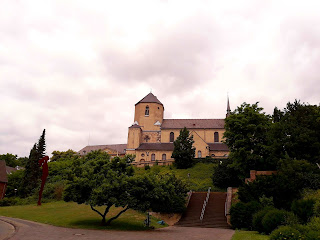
(45, 172)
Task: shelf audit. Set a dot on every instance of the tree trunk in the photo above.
(115, 217)
(103, 221)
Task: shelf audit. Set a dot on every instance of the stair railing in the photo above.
(227, 204)
(205, 204)
(189, 197)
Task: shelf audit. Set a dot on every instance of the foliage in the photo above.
(100, 181)
(257, 219)
(73, 215)
(295, 132)
(10, 159)
(287, 185)
(275, 218)
(225, 175)
(286, 233)
(58, 156)
(303, 208)
(246, 137)
(241, 214)
(14, 182)
(183, 152)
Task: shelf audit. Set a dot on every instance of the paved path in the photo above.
(6, 230)
(27, 230)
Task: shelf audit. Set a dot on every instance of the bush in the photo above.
(286, 233)
(275, 218)
(257, 219)
(8, 202)
(226, 176)
(303, 208)
(241, 214)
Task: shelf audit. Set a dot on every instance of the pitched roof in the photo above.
(3, 172)
(192, 123)
(218, 147)
(116, 147)
(156, 146)
(150, 98)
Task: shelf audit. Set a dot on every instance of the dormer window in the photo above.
(146, 113)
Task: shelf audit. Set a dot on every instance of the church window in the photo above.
(153, 157)
(216, 137)
(147, 111)
(164, 157)
(142, 160)
(142, 155)
(171, 137)
(213, 155)
(199, 154)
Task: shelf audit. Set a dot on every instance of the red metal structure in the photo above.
(45, 172)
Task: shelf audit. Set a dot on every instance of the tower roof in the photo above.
(150, 98)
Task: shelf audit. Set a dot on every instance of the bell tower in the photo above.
(149, 113)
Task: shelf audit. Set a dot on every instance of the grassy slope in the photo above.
(248, 235)
(200, 175)
(73, 215)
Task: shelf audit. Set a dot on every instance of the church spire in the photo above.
(228, 108)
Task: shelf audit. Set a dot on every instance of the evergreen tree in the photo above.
(41, 147)
(184, 152)
(32, 171)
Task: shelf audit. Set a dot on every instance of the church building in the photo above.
(151, 137)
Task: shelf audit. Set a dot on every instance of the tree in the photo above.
(10, 159)
(295, 132)
(246, 137)
(104, 182)
(183, 152)
(225, 175)
(32, 171)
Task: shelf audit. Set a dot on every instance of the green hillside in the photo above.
(200, 175)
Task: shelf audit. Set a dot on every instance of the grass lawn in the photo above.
(249, 235)
(200, 175)
(73, 215)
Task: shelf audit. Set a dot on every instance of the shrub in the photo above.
(257, 219)
(275, 218)
(303, 208)
(286, 233)
(241, 214)
(146, 167)
(8, 201)
(226, 176)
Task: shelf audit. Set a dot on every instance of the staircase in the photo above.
(214, 215)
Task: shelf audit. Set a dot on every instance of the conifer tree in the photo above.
(32, 171)
(183, 152)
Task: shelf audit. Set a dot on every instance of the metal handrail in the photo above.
(227, 204)
(189, 197)
(205, 204)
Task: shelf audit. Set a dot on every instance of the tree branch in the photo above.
(115, 217)
(96, 210)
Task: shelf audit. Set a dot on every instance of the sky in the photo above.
(77, 68)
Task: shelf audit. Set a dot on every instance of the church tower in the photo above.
(228, 109)
(149, 113)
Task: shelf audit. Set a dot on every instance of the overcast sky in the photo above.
(76, 68)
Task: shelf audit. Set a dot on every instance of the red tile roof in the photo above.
(3, 172)
(192, 123)
(218, 147)
(156, 146)
(150, 98)
(116, 147)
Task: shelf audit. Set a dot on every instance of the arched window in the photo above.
(142, 160)
(147, 111)
(216, 137)
(199, 154)
(171, 137)
(164, 157)
(153, 157)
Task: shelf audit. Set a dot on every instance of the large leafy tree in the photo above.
(246, 137)
(101, 181)
(183, 152)
(10, 159)
(295, 132)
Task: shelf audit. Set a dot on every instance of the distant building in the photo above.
(151, 136)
